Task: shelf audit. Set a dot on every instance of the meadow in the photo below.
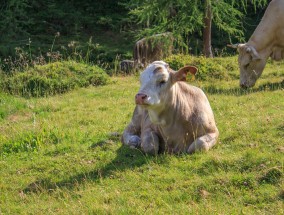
(61, 154)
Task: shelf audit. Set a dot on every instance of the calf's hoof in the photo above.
(134, 142)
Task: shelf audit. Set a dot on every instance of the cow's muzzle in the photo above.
(243, 86)
(140, 98)
(246, 85)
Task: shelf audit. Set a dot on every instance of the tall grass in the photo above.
(26, 57)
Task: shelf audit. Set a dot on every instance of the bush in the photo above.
(218, 68)
(53, 78)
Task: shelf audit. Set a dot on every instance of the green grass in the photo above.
(59, 155)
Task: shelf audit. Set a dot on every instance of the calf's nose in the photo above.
(140, 98)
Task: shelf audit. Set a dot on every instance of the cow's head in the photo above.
(251, 64)
(156, 82)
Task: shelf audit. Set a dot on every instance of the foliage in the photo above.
(14, 18)
(79, 165)
(84, 52)
(51, 16)
(53, 78)
(31, 25)
(185, 18)
(217, 68)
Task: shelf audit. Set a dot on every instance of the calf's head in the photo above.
(156, 82)
(251, 64)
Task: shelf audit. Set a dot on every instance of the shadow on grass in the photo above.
(239, 91)
(126, 158)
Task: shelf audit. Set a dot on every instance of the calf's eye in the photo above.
(162, 83)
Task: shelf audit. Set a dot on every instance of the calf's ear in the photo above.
(180, 75)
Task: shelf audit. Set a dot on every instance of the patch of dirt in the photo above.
(204, 193)
(19, 117)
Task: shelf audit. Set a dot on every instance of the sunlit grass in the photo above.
(78, 165)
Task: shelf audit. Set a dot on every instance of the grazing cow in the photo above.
(153, 48)
(127, 66)
(266, 41)
(170, 116)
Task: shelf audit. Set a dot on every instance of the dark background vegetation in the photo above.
(103, 24)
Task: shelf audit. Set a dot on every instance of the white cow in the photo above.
(170, 116)
(266, 41)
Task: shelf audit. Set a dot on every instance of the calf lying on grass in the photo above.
(170, 115)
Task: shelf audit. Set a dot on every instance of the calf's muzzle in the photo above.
(140, 98)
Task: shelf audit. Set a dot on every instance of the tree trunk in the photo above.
(207, 49)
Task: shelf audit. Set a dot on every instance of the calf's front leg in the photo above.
(150, 142)
(131, 133)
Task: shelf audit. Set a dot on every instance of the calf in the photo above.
(170, 116)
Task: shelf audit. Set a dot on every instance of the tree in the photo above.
(13, 18)
(185, 17)
(207, 50)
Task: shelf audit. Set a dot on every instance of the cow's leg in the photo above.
(133, 141)
(203, 143)
(131, 133)
(150, 142)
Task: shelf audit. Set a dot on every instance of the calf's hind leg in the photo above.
(203, 143)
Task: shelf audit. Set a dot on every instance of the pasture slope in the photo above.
(58, 155)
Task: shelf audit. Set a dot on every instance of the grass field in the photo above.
(61, 155)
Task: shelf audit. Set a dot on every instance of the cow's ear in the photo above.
(180, 75)
(254, 54)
